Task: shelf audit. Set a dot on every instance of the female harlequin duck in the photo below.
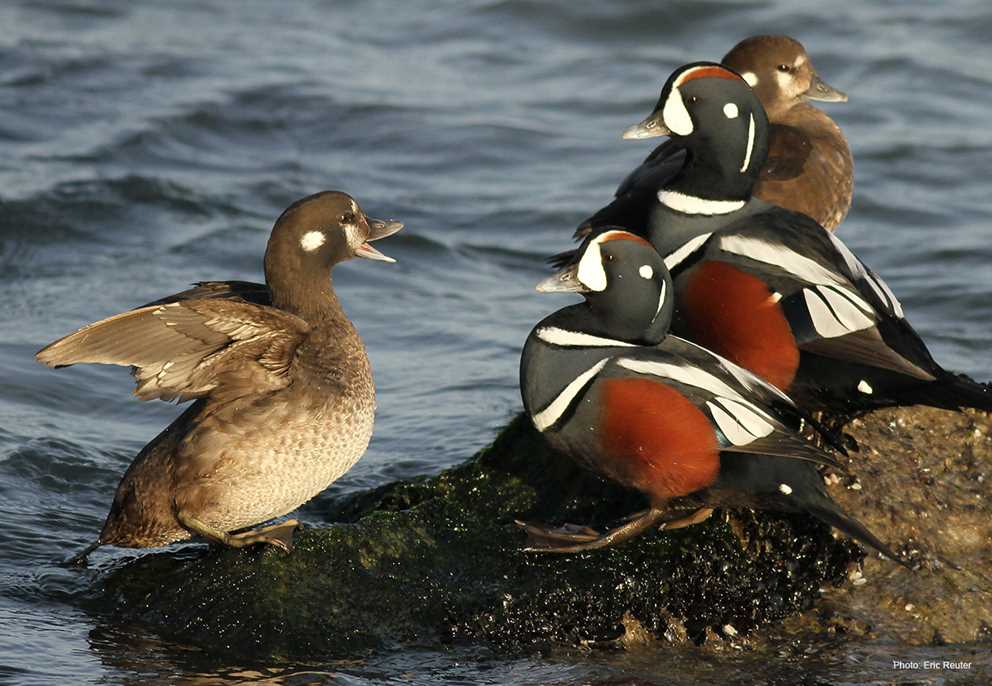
(284, 393)
(605, 384)
(809, 167)
(768, 288)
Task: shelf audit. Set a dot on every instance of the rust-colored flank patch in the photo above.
(655, 439)
(733, 314)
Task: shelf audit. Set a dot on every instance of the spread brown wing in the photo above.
(257, 293)
(190, 349)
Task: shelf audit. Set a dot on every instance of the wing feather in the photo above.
(190, 348)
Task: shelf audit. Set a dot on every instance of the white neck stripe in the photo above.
(689, 204)
(686, 249)
(553, 412)
(576, 339)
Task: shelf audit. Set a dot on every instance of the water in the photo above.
(148, 145)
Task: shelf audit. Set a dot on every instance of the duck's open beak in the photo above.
(651, 127)
(823, 92)
(565, 281)
(378, 228)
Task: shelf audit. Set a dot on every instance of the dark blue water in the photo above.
(146, 145)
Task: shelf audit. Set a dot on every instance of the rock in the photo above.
(438, 559)
(925, 475)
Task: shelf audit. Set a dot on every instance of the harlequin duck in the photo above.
(809, 167)
(605, 384)
(766, 287)
(284, 397)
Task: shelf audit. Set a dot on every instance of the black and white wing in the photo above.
(751, 416)
(636, 195)
(836, 306)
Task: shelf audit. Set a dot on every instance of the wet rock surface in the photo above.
(437, 560)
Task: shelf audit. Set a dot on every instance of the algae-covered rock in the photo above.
(438, 559)
(923, 481)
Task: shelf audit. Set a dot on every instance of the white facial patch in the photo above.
(785, 488)
(750, 144)
(352, 235)
(312, 240)
(675, 115)
(750, 78)
(730, 111)
(591, 273)
(645, 271)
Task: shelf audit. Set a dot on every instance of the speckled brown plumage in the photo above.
(809, 167)
(284, 395)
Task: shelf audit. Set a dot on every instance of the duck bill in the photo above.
(381, 228)
(821, 91)
(651, 127)
(367, 252)
(565, 281)
(378, 228)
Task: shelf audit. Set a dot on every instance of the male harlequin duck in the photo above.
(606, 385)
(809, 168)
(766, 287)
(284, 397)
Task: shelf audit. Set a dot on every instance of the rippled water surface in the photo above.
(147, 145)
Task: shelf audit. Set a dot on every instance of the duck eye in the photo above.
(693, 99)
(609, 257)
(785, 68)
(347, 218)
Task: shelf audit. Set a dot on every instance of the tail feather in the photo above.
(952, 392)
(832, 515)
(80, 558)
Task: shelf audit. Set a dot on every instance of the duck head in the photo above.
(627, 288)
(780, 72)
(313, 235)
(711, 112)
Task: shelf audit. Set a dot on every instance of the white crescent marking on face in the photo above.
(576, 339)
(785, 488)
(661, 301)
(675, 116)
(730, 111)
(750, 144)
(591, 273)
(312, 240)
(750, 78)
(553, 412)
(865, 387)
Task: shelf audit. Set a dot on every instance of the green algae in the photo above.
(435, 560)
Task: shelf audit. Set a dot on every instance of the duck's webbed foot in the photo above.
(578, 539)
(278, 535)
(700, 515)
